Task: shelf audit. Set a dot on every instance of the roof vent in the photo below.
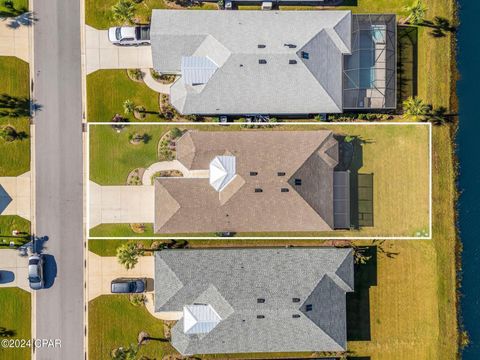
(291, 46)
(298, 182)
(260, 316)
(295, 316)
(262, 61)
(258, 190)
(284, 190)
(260, 301)
(295, 300)
(261, 46)
(305, 55)
(280, 173)
(292, 62)
(253, 173)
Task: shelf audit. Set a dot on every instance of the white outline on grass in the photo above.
(167, 236)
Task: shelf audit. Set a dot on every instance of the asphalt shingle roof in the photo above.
(231, 281)
(241, 84)
(193, 205)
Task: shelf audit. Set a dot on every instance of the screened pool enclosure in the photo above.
(369, 75)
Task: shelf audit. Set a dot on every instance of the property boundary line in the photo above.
(166, 236)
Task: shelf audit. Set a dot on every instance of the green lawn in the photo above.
(15, 304)
(8, 223)
(20, 6)
(99, 15)
(114, 322)
(14, 74)
(107, 90)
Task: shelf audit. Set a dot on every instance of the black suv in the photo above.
(128, 286)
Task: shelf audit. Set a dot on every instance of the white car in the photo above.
(35, 272)
(129, 35)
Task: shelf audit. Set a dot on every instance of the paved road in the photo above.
(59, 205)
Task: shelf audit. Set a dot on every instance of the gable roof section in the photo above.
(236, 41)
(316, 175)
(5, 199)
(231, 281)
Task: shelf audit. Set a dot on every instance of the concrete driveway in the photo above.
(13, 40)
(103, 269)
(121, 204)
(100, 53)
(17, 190)
(14, 269)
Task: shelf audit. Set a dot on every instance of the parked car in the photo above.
(128, 285)
(35, 271)
(129, 35)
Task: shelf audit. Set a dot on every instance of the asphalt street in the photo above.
(58, 148)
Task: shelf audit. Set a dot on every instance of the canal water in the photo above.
(468, 140)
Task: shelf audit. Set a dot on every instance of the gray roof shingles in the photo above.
(241, 85)
(231, 280)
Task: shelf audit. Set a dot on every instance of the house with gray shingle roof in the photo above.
(255, 300)
(258, 181)
(275, 62)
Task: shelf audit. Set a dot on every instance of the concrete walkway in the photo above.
(154, 84)
(14, 39)
(100, 53)
(18, 265)
(103, 269)
(121, 204)
(172, 165)
(18, 191)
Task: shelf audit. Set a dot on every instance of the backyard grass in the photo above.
(396, 155)
(15, 305)
(107, 90)
(14, 74)
(99, 15)
(113, 322)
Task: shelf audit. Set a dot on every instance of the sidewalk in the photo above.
(154, 84)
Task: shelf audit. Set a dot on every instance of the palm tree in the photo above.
(14, 106)
(127, 255)
(128, 106)
(415, 106)
(121, 353)
(124, 11)
(416, 12)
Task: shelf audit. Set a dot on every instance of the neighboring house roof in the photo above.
(5, 199)
(299, 292)
(293, 169)
(278, 62)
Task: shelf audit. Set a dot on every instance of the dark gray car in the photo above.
(128, 285)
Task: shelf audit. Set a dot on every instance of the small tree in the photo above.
(176, 133)
(415, 106)
(121, 353)
(124, 11)
(137, 299)
(128, 106)
(416, 12)
(127, 255)
(8, 133)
